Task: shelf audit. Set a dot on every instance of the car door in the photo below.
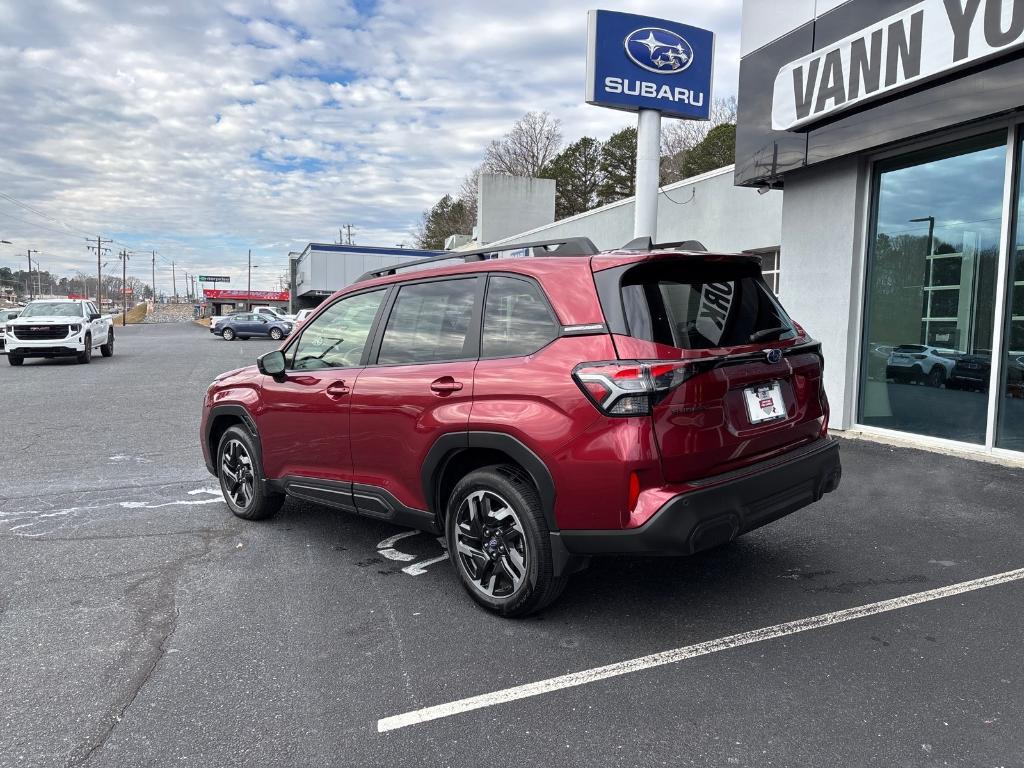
(246, 325)
(97, 328)
(260, 326)
(304, 424)
(418, 387)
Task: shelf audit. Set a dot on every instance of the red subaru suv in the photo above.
(537, 410)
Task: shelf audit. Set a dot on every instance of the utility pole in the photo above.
(124, 287)
(348, 229)
(248, 290)
(28, 279)
(174, 283)
(100, 250)
(152, 285)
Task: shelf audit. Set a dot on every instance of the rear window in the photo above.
(909, 348)
(701, 305)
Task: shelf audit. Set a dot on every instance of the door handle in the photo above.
(445, 385)
(337, 390)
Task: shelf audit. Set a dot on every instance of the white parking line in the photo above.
(688, 652)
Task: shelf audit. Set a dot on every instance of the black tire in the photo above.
(917, 374)
(85, 356)
(494, 552)
(936, 377)
(15, 360)
(275, 334)
(241, 477)
(107, 350)
(228, 334)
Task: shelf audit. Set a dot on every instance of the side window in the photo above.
(517, 320)
(429, 322)
(337, 337)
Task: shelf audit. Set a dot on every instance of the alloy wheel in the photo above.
(491, 544)
(237, 476)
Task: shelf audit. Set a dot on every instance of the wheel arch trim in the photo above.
(446, 447)
(237, 411)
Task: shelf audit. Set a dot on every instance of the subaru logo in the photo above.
(773, 355)
(659, 50)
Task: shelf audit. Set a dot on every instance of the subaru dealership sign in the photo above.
(927, 40)
(637, 62)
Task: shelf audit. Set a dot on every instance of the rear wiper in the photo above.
(764, 334)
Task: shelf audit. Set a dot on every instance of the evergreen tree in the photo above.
(577, 174)
(717, 150)
(449, 216)
(618, 166)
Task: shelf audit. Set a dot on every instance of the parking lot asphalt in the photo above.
(141, 624)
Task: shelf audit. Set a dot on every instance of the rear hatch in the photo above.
(735, 380)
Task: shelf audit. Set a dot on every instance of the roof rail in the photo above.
(568, 246)
(646, 244)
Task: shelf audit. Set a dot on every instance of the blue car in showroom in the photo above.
(243, 325)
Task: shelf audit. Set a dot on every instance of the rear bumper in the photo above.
(726, 507)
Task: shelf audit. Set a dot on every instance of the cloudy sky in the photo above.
(201, 129)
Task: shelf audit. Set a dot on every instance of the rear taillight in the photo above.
(629, 388)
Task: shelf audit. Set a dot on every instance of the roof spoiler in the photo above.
(646, 244)
(569, 246)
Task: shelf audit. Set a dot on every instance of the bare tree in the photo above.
(681, 136)
(469, 191)
(531, 144)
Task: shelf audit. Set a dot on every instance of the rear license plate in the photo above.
(764, 402)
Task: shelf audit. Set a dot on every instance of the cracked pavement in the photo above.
(141, 624)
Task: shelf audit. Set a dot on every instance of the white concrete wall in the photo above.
(708, 208)
(821, 277)
(510, 204)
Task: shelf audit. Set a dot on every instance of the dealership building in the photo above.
(893, 129)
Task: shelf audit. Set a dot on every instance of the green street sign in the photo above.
(214, 279)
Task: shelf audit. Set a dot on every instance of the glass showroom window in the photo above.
(1010, 431)
(932, 268)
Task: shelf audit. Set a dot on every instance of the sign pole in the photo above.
(648, 169)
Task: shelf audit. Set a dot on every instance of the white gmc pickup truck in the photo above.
(59, 328)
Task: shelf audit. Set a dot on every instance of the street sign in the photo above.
(127, 291)
(639, 62)
(214, 279)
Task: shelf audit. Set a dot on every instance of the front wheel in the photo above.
(936, 377)
(15, 360)
(241, 477)
(85, 356)
(107, 350)
(275, 334)
(498, 541)
(228, 334)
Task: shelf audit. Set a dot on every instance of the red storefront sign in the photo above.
(226, 295)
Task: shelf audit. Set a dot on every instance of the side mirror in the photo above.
(272, 363)
(95, 316)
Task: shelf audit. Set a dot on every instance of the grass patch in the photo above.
(135, 315)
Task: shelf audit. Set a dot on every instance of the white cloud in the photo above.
(203, 130)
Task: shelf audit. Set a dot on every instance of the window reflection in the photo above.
(1010, 432)
(338, 335)
(516, 319)
(429, 322)
(931, 290)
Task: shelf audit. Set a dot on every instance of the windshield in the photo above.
(53, 309)
(702, 305)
